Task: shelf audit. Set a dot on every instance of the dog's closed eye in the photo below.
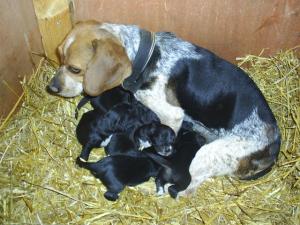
(73, 69)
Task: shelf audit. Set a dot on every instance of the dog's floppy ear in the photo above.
(108, 68)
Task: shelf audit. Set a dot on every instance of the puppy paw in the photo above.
(80, 162)
(160, 191)
(111, 196)
(82, 159)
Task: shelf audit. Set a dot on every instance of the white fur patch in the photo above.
(106, 141)
(143, 144)
(160, 191)
(71, 87)
(155, 99)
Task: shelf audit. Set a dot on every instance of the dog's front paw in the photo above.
(160, 191)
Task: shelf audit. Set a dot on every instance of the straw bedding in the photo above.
(40, 183)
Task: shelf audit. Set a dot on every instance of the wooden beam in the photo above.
(54, 19)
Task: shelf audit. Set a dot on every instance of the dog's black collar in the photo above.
(143, 55)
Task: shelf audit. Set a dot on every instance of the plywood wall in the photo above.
(54, 19)
(230, 28)
(19, 35)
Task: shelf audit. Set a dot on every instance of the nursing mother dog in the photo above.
(178, 81)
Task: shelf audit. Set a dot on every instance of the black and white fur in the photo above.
(160, 136)
(177, 171)
(185, 82)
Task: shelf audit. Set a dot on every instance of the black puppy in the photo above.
(120, 143)
(94, 128)
(118, 171)
(177, 171)
(106, 100)
(160, 136)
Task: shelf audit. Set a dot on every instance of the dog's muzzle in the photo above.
(165, 150)
(54, 85)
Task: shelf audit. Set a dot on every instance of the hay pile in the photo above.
(40, 184)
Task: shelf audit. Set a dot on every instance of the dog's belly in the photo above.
(155, 99)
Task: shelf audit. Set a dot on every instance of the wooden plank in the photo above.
(54, 22)
(19, 36)
(230, 28)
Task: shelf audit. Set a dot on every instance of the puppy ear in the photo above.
(108, 68)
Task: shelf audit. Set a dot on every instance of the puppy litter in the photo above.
(40, 184)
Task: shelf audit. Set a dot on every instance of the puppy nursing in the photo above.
(129, 124)
(94, 128)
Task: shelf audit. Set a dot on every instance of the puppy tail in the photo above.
(158, 159)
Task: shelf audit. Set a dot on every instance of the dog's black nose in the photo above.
(54, 86)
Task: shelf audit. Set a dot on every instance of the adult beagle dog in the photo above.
(181, 82)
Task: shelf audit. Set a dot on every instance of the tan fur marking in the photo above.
(77, 51)
(108, 68)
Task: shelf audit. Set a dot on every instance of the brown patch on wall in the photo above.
(19, 35)
(231, 28)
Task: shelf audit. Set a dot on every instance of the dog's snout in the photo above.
(169, 149)
(166, 151)
(54, 85)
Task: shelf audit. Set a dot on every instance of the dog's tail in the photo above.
(81, 103)
(158, 159)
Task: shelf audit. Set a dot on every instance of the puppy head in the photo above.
(163, 140)
(92, 59)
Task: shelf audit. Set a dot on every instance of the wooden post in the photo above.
(54, 19)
